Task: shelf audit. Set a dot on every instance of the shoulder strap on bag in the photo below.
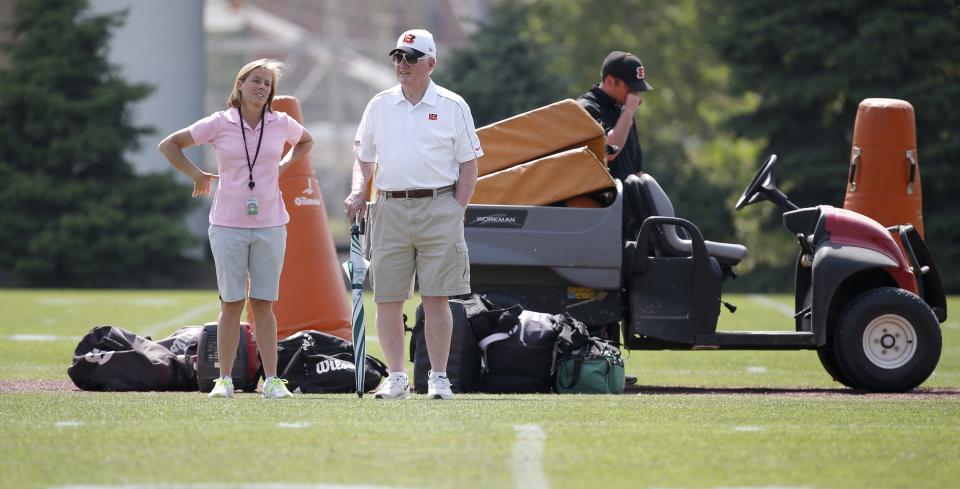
(508, 324)
(577, 365)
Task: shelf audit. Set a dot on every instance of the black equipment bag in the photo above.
(317, 362)
(183, 341)
(109, 358)
(463, 362)
(518, 350)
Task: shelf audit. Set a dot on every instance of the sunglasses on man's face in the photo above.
(409, 58)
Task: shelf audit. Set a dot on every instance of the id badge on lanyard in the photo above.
(253, 207)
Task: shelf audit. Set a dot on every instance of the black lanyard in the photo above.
(247, 153)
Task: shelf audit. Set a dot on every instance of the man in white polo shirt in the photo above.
(421, 141)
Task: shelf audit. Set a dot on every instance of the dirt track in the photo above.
(838, 393)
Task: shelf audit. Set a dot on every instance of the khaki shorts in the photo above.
(254, 251)
(422, 235)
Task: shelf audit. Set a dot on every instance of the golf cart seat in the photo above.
(674, 280)
(649, 199)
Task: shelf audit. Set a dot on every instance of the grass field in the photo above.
(702, 419)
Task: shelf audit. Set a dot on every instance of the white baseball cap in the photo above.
(416, 42)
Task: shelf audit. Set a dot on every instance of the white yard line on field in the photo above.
(41, 337)
(294, 425)
(527, 460)
(63, 301)
(190, 314)
(772, 304)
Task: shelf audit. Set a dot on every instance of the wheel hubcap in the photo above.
(889, 341)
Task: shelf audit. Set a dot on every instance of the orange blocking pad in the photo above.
(312, 291)
(884, 177)
(525, 137)
(544, 181)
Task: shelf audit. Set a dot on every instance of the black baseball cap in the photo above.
(626, 67)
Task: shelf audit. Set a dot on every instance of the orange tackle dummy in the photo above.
(884, 178)
(312, 292)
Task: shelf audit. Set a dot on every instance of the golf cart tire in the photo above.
(829, 361)
(887, 340)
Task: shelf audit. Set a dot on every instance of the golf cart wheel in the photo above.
(887, 340)
(829, 361)
(825, 353)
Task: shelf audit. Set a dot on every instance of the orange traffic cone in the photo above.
(884, 178)
(312, 291)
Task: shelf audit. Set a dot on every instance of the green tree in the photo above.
(74, 213)
(501, 72)
(685, 148)
(534, 53)
(811, 63)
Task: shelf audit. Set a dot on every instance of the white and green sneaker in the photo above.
(222, 388)
(275, 388)
(393, 387)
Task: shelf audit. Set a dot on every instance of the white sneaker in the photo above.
(276, 388)
(439, 388)
(221, 388)
(393, 388)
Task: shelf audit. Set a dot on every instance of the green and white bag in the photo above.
(597, 369)
(586, 364)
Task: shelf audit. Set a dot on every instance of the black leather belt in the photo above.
(418, 193)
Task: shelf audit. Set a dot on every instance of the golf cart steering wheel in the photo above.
(755, 191)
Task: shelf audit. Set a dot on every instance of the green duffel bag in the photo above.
(596, 369)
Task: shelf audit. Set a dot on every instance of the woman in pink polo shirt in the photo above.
(248, 220)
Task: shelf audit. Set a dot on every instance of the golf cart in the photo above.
(870, 310)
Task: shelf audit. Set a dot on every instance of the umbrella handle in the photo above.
(359, 226)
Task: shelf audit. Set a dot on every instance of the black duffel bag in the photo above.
(463, 361)
(317, 362)
(109, 358)
(518, 350)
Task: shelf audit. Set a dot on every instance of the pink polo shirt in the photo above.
(222, 130)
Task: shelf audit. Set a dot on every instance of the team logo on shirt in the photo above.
(409, 38)
(432, 117)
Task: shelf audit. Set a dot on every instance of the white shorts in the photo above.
(238, 252)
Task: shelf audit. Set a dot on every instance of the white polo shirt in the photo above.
(417, 146)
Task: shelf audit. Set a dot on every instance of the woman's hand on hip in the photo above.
(202, 183)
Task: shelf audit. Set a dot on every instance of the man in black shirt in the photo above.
(613, 103)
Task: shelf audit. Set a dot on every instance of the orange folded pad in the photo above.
(525, 137)
(544, 181)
